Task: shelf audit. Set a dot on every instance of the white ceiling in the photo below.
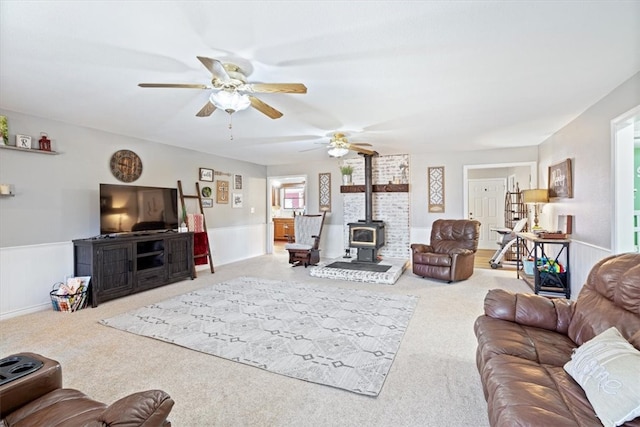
(406, 76)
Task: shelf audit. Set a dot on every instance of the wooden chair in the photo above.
(303, 245)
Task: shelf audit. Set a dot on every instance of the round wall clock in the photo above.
(126, 165)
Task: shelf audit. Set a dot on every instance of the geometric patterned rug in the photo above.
(344, 338)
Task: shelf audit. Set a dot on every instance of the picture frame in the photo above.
(23, 141)
(560, 180)
(435, 186)
(222, 192)
(237, 182)
(207, 203)
(324, 191)
(565, 224)
(206, 191)
(236, 200)
(206, 175)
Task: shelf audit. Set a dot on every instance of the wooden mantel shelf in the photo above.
(377, 188)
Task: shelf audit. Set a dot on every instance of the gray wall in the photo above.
(587, 142)
(57, 196)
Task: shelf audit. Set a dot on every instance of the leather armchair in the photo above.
(451, 253)
(38, 399)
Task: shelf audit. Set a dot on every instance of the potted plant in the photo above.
(346, 172)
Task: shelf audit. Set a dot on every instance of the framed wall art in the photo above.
(435, 186)
(237, 182)
(236, 200)
(222, 192)
(206, 175)
(207, 203)
(560, 180)
(324, 183)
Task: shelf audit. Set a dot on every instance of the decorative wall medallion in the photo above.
(222, 192)
(324, 182)
(436, 189)
(126, 165)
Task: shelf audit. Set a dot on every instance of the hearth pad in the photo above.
(360, 266)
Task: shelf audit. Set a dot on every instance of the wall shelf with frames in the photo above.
(28, 150)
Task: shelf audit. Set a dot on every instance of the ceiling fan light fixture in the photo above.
(338, 151)
(230, 100)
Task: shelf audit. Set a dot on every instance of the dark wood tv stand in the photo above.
(121, 265)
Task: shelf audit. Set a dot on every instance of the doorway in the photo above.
(626, 178)
(286, 195)
(524, 175)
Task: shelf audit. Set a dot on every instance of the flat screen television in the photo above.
(132, 208)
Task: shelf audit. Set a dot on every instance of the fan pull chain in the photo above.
(230, 127)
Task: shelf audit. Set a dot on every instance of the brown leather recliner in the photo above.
(38, 399)
(451, 252)
(524, 341)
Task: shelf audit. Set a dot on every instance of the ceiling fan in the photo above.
(339, 146)
(230, 90)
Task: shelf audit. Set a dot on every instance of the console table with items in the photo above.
(548, 275)
(123, 265)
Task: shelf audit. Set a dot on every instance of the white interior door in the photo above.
(486, 204)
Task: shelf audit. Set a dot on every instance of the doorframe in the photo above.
(270, 181)
(620, 174)
(533, 177)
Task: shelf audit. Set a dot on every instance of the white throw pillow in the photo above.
(607, 367)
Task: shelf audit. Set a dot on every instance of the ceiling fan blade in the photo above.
(264, 108)
(207, 110)
(277, 88)
(362, 150)
(216, 68)
(175, 85)
(362, 144)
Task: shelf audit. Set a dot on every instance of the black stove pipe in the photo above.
(368, 189)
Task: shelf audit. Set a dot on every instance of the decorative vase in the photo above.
(346, 179)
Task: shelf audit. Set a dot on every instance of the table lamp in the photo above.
(535, 197)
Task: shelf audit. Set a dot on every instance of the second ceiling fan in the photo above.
(230, 90)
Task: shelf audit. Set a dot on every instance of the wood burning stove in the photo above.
(367, 235)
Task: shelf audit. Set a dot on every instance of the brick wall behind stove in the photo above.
(392, 208)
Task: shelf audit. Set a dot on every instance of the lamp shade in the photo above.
(230, 101)
(338, 151)
(535, 196)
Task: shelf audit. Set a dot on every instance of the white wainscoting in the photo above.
(583, 257)
(28, 273)
(233, 244)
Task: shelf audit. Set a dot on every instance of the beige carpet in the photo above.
(433, 380)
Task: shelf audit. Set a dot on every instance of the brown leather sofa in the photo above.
(451, 252)
(38, 399)
(524, 341)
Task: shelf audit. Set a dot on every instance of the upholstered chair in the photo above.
(451, 252)
(303, 246)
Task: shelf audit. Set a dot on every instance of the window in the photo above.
(293, 197)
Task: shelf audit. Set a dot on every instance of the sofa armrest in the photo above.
(143, 409)
(553, 314)
(421, 248)
(461, 251)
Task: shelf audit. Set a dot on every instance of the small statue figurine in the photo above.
(44, 142)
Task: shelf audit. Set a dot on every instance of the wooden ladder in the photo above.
(204, 223)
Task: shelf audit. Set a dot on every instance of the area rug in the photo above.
(360, 266)
(345, 338)
(388, 277)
